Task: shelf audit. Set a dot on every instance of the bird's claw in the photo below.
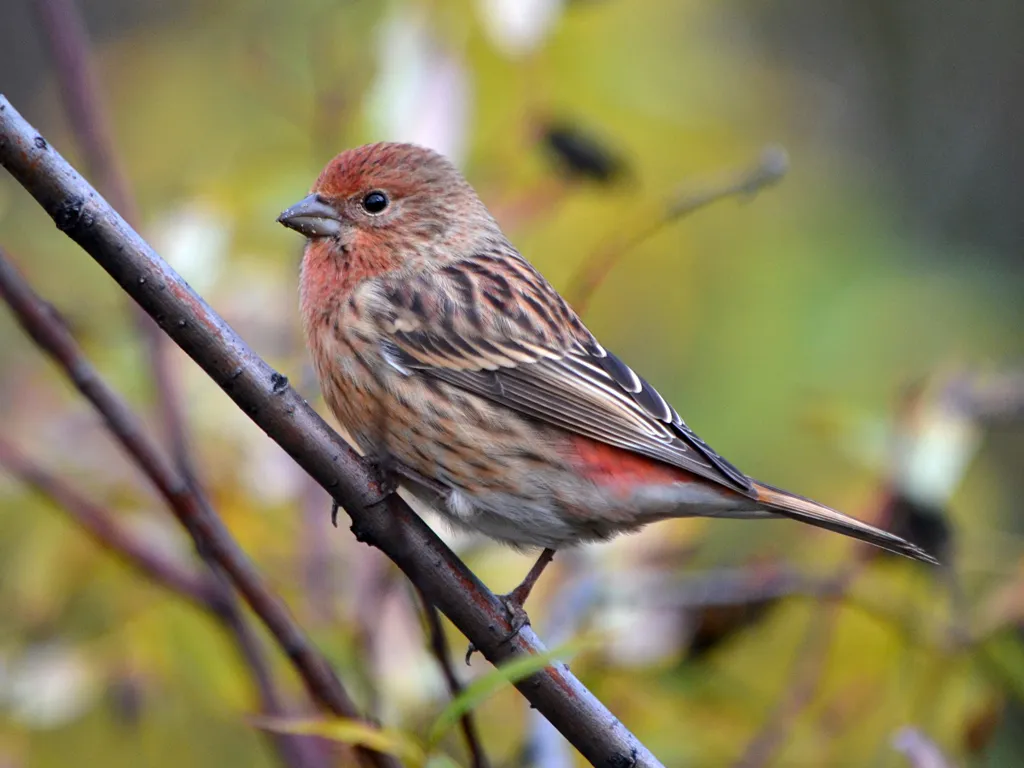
(517, 616)
(517, 619)
(334, 513)
(384, 467)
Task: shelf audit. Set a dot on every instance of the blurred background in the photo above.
(853, 333)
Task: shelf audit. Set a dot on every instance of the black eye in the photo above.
(375, 202)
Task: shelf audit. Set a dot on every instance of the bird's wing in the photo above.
(493, 326)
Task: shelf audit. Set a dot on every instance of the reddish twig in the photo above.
(441, 651)
(108, 532)
(771, 167)
(200, 589)
(212, 540)
(378, 517)
(83, 101)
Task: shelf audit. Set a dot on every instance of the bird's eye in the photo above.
(375, 202)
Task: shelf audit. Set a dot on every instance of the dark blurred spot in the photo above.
(579, 155)
(981, 726)
(716, 624)
(923, 525)
(278, 383)
(69, 212)
(126, 696)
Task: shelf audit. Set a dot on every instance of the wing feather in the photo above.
(535, 357)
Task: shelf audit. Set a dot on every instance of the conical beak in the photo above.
(312, 217)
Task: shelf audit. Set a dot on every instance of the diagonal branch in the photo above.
(771, 166)
(82, 97)
(108, 532)
(83, 102)
(173, 576)
(378, 518)
(212, 539)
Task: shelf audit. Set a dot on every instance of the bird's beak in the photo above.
(312, 217)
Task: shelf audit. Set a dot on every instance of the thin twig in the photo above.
(294, 750)
(83, 101)
(211, 537)
(108, 532)
(439, 648)
(200, 589)
(810, 662)
(379, 517)
(808, 666)
(770, 168)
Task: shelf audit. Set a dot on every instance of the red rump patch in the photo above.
(621, 470)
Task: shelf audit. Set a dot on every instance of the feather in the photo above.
(537, 358)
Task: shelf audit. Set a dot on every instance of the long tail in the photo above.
(807, 511)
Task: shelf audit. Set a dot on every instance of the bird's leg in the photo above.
(516, 599)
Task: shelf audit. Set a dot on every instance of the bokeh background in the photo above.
(853, 333)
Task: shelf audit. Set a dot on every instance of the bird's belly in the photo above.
(487, 469)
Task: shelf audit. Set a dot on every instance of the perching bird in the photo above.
(449, 359)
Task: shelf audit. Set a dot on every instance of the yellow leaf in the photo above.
(354, 732)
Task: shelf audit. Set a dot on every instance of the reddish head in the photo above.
(382, 205)
(381, 208)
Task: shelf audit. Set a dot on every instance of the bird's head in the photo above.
(381, 206)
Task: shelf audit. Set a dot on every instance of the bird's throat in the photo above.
(331, 272)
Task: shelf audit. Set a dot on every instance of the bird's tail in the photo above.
(807, 511)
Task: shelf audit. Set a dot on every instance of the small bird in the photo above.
(453, 363)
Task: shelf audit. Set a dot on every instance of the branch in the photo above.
(810, 664)
(83, 102)
(108, 532)
(439, 647)
(770, 168)
(81, 94)
(378, 517)
(212, 539)
(207, 595)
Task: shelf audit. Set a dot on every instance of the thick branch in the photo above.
(377, 518)
(212, 539)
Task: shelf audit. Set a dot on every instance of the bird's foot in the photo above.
(384, 469)
(515, 600)
(517, 616)
(517, 619)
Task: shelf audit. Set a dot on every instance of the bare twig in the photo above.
(175, 577)
(212, 540)
(810, 661)
(108, 532)
(808, 666)
(770, 168)
(439, 647)
(83, 101)
(294, 750)
(378, 517)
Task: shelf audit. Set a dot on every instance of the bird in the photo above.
(458, 368)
